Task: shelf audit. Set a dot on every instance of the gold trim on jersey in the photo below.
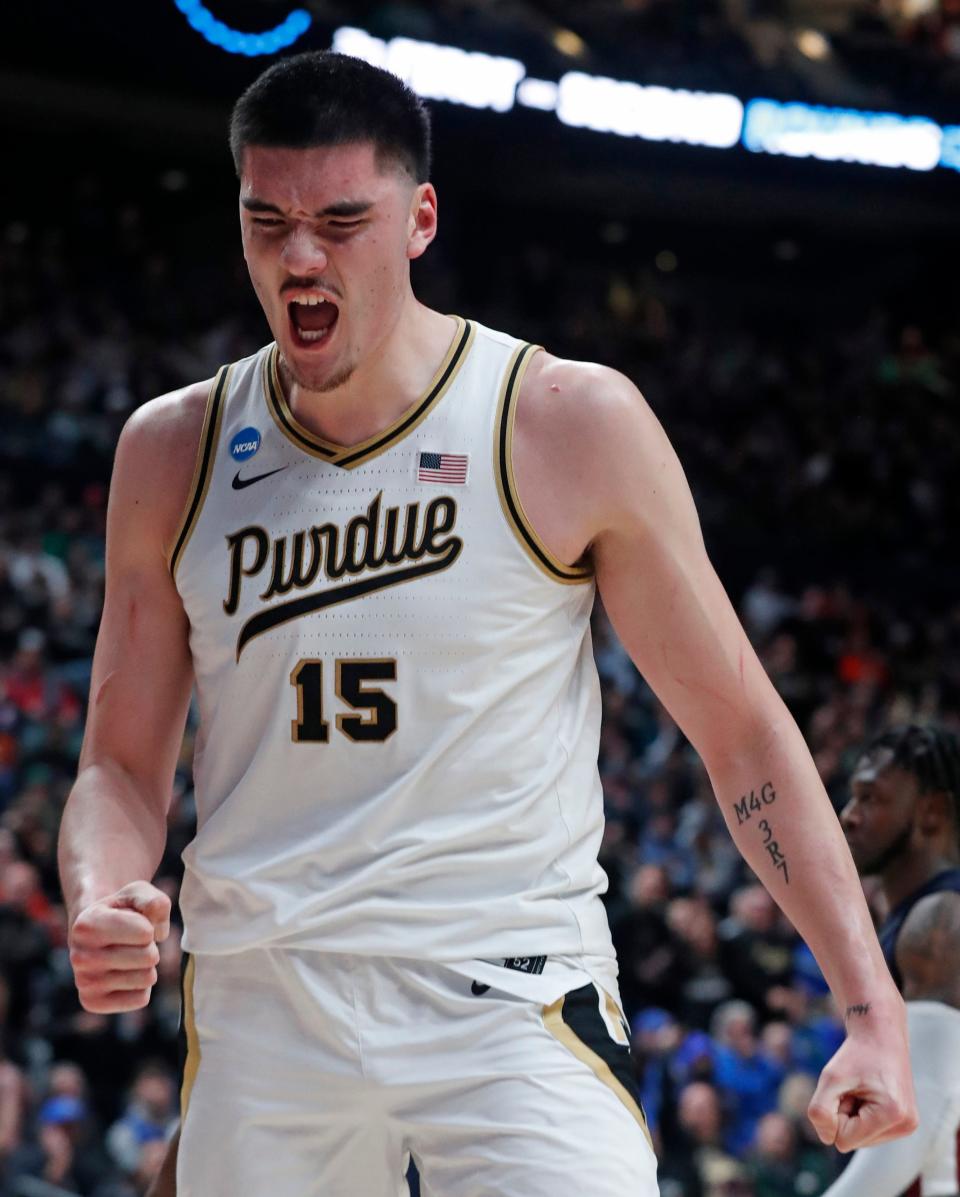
(203, 470)
(517, 518)
(565, 1034)
(192, 1062)
(350, 456)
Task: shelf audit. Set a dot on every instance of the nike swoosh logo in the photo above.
(478, 989)
(282, 613)
(239, 483)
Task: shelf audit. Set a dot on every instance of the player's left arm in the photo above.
(619, 483)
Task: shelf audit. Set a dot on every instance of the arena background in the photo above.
(792, 320)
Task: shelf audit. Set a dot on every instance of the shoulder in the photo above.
(580, 395)
(588, 412)
(156, 458)
(928, 949)
(169, 422)
(933, 921)
(590, 425)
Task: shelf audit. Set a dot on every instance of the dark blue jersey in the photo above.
(944, 882)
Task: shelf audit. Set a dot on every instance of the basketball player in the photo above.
(373, 545)
(902, 825)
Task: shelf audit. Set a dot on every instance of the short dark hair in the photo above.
(930, 753)
(323, 98)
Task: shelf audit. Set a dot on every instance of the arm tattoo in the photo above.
(754, 804)
(857, 1008)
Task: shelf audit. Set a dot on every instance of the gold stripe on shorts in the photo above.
(565, 1034)
(192, 1062)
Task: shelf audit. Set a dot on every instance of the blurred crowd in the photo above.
(823, 467)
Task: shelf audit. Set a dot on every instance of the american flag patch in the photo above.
(443, 467)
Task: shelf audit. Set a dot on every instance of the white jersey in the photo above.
(399, 708)
(926, 1163)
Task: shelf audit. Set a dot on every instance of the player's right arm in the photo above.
(114, 824)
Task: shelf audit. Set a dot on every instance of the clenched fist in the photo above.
(865, 1094)
(113, 948)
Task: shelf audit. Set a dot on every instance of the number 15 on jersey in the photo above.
(377, 717)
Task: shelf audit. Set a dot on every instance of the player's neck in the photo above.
(382, 387)
(909, 875)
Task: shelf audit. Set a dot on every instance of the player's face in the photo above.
(333, 226)
(880, 815)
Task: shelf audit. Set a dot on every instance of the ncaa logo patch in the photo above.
(245, 444)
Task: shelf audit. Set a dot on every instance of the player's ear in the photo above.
(934, 812)
(422, 222)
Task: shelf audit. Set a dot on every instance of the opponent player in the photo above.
(902, 824)
(374, 546)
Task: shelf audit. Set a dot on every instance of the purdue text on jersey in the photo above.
(369, 542)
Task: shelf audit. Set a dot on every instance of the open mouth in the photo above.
(312, 320)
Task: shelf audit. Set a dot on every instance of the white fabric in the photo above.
(320, 1074)
(473, 831)
(930, 1153)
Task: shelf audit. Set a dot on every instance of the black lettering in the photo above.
(768, 793)
(364, 526)
(299, 575)
(238, 570)
(775, 854)
(440, 517)
(375, 554)
(332, 567)
(309, 727)
(743, 814)
(395, 551)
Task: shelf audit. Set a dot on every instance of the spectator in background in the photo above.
(698, 1159)
(756, 949)
(774, 1160)
(50, 1154)
(816, 1168)
(13, 1107)
(136, 1184)
(704, 985)
(28, 684)
(150, 1117)
(651, 970)
(656, 1036)
(748, 1078)
(24, 941)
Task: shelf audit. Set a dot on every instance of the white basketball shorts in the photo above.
(310, 1074)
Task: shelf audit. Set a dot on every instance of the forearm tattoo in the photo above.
(857, 1008)
(750, 805)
